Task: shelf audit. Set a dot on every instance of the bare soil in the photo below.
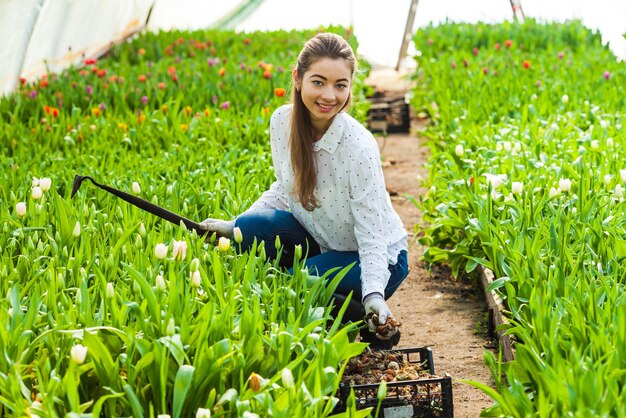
(435, 309)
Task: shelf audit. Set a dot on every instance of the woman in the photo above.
(329, 195)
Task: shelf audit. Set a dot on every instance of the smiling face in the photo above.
(325, 89)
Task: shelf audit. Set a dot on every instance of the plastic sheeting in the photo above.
(379, 25)
(41, 36)
(63, 31)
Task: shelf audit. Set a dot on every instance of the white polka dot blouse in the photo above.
(355, 212)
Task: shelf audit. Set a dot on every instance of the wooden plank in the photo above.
(496, 306)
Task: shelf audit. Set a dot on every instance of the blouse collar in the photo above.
(332, 137)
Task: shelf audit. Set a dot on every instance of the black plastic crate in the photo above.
(423, 398)
(388, 114)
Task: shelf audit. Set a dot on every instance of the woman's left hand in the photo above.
(224, 228)
(375, 305)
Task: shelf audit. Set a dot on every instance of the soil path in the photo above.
(435, 309)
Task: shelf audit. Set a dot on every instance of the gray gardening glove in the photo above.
(376, 313)
(223, 228)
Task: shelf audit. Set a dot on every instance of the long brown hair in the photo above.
(323, 45)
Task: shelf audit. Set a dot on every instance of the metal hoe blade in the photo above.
(78, 180)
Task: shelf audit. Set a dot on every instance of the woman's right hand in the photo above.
(222, 228)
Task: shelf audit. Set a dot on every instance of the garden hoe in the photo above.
(143, 204)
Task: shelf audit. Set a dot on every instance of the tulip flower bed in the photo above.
(527, 178)
(109, 311)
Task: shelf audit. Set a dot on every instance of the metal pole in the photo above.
(352, 14)
(408, 33)
(516, 6)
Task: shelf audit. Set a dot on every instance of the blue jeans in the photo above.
(265, 225)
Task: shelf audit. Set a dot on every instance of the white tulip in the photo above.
(297, 252)
(595, 144)
(196, 279)
(495, 179)
(565, 99)
(179, 250)
(458, 150)
(224, 244)
(45, 184)
(553, 192)
(619, 190)
(622, 174)
(565, 185)
(110, 292)
(78, 353)
(160, 251)
(507, 146)
(517, 187)
(607, 179)
(203, 413)
(237, 235)
(287, 378)
(609, 142)
(136, 188)
(76, 231)
(499, 146)
(517, 147)
(36, 193)
(159, 283)
(20, 209)
(35, 182)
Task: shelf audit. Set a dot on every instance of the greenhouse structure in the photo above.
(275, 208)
